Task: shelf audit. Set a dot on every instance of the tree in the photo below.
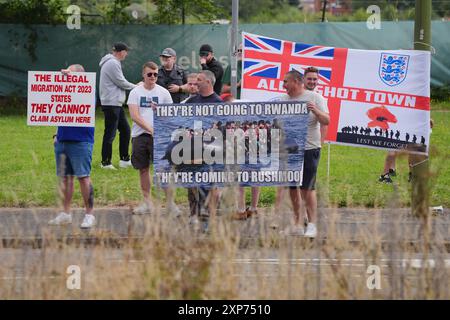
(33, 11)
(176, 11)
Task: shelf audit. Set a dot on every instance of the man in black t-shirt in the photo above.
(197, 196)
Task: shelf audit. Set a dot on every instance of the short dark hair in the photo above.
(295, 74)
(120, 46)
(311, 69)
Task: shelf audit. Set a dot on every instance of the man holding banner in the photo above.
(141, 101)
(310, 81)
(73, 153)
(318, 115)
(198, 196)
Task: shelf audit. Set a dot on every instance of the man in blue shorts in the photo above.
(73, 153)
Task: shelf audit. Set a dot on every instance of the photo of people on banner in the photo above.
(250, 144)
(376, 98)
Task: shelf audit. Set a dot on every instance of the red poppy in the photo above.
(380, 117)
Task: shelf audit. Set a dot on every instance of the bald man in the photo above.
(73, 153)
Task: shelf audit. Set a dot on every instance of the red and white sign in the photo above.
(57, 99)
(376, 98)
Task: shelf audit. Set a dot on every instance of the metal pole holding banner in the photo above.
(234, 46)
(328, 162)
(419, 163)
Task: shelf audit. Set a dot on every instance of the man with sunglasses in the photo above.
(208, 62)
(141, 101)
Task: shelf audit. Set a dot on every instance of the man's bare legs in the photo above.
(87, 191)
(310, 199)
(389, 162)
(280, 191)
(254, 202)
(144, 177)
(241, 200)
(256, 191)
(294, 194)
(389, 168)
(66, 187)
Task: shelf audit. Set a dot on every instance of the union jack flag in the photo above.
(272, 58)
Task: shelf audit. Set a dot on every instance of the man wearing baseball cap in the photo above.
(208, 62)
(171, 76)
(112, 96)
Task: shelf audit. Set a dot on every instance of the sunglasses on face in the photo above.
(155, 74)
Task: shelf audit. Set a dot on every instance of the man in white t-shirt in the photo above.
(141, 101)
(318, 115)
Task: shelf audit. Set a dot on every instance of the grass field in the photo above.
(27, 170)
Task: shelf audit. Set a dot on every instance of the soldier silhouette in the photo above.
(407, 137)
(422, 140)
(392, 133)
(397, 135)
(414, 140)
(386, 133)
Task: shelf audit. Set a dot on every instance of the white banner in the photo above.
(56, 99)
(376, 98)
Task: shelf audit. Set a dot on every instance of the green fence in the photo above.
(44, 47)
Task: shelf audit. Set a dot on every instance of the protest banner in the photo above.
(376, 98)
(57, 99)
(250, 144)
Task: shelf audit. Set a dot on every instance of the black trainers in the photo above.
(386, 178)
(392, 173)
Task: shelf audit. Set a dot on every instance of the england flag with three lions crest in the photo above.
(376, 98)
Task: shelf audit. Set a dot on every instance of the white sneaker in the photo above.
(61, 219)
(311, 230)
(88, 221)
(193, 220)
(125, 164)
(108, 167)
(293, 230)
(173, 210)
(143, 208)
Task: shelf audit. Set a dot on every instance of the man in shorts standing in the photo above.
(73, 153)
(141, 101)
(318, 115)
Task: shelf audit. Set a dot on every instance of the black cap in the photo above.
(205, 49)
(120, 46)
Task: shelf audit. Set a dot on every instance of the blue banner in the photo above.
(219, 144)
